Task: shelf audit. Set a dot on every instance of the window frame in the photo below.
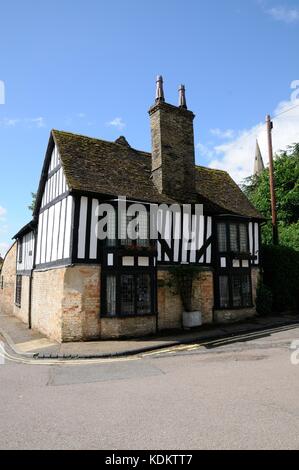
(20, 250)
(229, 270)
(18, 290)
(135, 272)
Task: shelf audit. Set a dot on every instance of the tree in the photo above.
(33, 202)
(257, 189)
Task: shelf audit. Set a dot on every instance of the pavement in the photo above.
(32, 344)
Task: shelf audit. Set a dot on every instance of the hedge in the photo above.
(281, 275)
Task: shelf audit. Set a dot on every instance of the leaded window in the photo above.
(243, 238)
(20, 254)
(18, 295)
(233, 235)
(128, 293)
(223, 291)
(111, 295)
(222, 242)
(234, 275)
(234, 239)
(143, 288)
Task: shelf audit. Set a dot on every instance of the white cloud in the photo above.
(287, 15)
(38, 122)
(226, 134)
(29, 122)
(9, 122)
(118, 123)
(3, 212)
(237, 156)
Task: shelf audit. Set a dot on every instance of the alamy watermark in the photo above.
(295, 354)
(134, 221)
(2, 353)
(2, 92)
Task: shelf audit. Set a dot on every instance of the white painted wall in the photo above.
(56, 184)
(54, 232)
(27, 252)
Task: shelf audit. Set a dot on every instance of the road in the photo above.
(241, 394)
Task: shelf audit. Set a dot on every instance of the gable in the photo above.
(55, 185)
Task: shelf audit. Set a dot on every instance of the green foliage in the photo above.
(182, 277)
(257, 189)
(264, 300)
(281, 275)
(33, 202)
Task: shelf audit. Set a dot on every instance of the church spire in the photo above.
(159, 89)
(258, 160)
(182, 97)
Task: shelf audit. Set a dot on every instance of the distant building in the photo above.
(258, 161)
(70, 285)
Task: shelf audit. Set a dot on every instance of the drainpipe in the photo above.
(30, 280)
(30, 299)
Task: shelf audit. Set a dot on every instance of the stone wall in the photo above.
(173, 155)
(22, 311)
(7, 294)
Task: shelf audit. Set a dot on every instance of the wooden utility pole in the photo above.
(272, 181)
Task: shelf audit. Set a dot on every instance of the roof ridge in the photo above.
(212, 169)
(95, 139)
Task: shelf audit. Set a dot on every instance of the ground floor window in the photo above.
(128, 293)
(234, 290)
(18, 296)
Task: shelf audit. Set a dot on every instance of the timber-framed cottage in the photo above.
(61, 279)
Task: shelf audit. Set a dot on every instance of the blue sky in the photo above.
(90, 66)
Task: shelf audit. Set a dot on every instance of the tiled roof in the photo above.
(114, 168)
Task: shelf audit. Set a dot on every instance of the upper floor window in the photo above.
(232, 236)
(20, 254)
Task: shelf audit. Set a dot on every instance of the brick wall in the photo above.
(47, 295)
(135, 326)
(7, 294)
(169, 302)
(81, 303)
(66, 302)
(203, 295)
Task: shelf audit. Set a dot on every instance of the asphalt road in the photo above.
(240, 395)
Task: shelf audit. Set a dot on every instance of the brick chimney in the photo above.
(173, 155)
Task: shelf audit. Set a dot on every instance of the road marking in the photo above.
(170, 350)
